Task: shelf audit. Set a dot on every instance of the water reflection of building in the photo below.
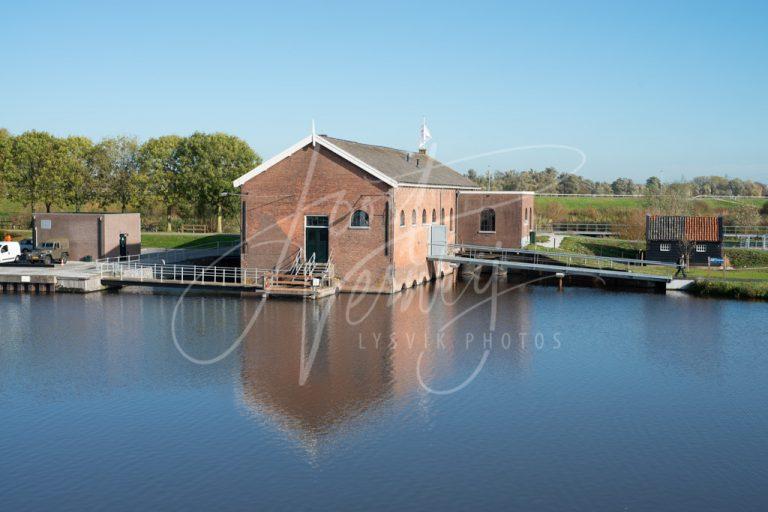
(365, 357)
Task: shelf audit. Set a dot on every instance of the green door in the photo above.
(316, 237)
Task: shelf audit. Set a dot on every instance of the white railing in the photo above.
(195, 274)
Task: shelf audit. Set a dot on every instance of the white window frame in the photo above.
(665, 247)
(351, 218)
(701, 247)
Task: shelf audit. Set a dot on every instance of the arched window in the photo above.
(423, 216)
(526, 215)
(488, 221)
(413, 218)
(442, 216)
(360, 219)
(402, 218)
(434, 216)
(450, 220)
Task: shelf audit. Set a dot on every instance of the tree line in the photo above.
(551, 181)
(189, 177)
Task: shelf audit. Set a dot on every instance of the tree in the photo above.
(78, 180)
(745, 215)
(674, 200)
(33, 175)
(623, 186)
(115, 162)
(160, 171)
(653, 185)
(6, 143)
(209, 164)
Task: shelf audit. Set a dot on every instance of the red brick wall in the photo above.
(511, 223)
(411, 242)
(315, 181)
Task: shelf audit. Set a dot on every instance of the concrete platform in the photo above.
(73, 277)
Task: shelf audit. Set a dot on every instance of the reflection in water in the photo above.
(338, 359)
(649, 402)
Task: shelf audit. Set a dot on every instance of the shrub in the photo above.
(747, 258)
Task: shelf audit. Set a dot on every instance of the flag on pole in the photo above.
(425, 136)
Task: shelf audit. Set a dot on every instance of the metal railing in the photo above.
(580, 227)
(193, 274)
(480, 252)
(745, 230)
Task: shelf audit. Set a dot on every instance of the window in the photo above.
(413, 218)
(319, 221)
(526, 215)
(424, 216)
(450, 220)
(402, 219)
(665, 247)
(4, 248)
(359, 220)
(701, 248)
(434, 216)
(442, 216)
(488, 221)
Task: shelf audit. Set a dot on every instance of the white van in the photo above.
(9, 252)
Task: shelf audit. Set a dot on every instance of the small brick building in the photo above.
(370, 209)
(94, 235)
(491, 218)
(670, 237)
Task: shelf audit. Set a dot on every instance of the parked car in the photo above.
(27, 245)
(50, 251)
(9, 252)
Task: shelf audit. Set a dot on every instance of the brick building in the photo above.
(91, 235)
(370, 209)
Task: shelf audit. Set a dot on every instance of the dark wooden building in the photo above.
(670, 237)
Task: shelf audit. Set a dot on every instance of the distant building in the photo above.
(371, 209)
(670, 237)
(91, 235)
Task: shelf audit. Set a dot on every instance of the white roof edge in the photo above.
(311, 139)
(518, 192)
(460, 188)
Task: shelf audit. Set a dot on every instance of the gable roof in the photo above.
(395, 167)
(674, 228)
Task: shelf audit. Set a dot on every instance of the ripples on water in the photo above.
(587, 400)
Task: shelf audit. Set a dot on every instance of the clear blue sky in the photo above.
(641, 89)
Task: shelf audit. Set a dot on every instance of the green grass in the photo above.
(730, 289)
(184, 240)
(612, 209)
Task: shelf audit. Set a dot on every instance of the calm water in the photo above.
(607, 401)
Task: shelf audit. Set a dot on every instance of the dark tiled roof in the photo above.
(695, 229)
(404, 166)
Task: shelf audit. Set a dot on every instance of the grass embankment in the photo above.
(730, 289)
(184, 240)
(616, 209)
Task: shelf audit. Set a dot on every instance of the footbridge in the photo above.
(564, 264)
